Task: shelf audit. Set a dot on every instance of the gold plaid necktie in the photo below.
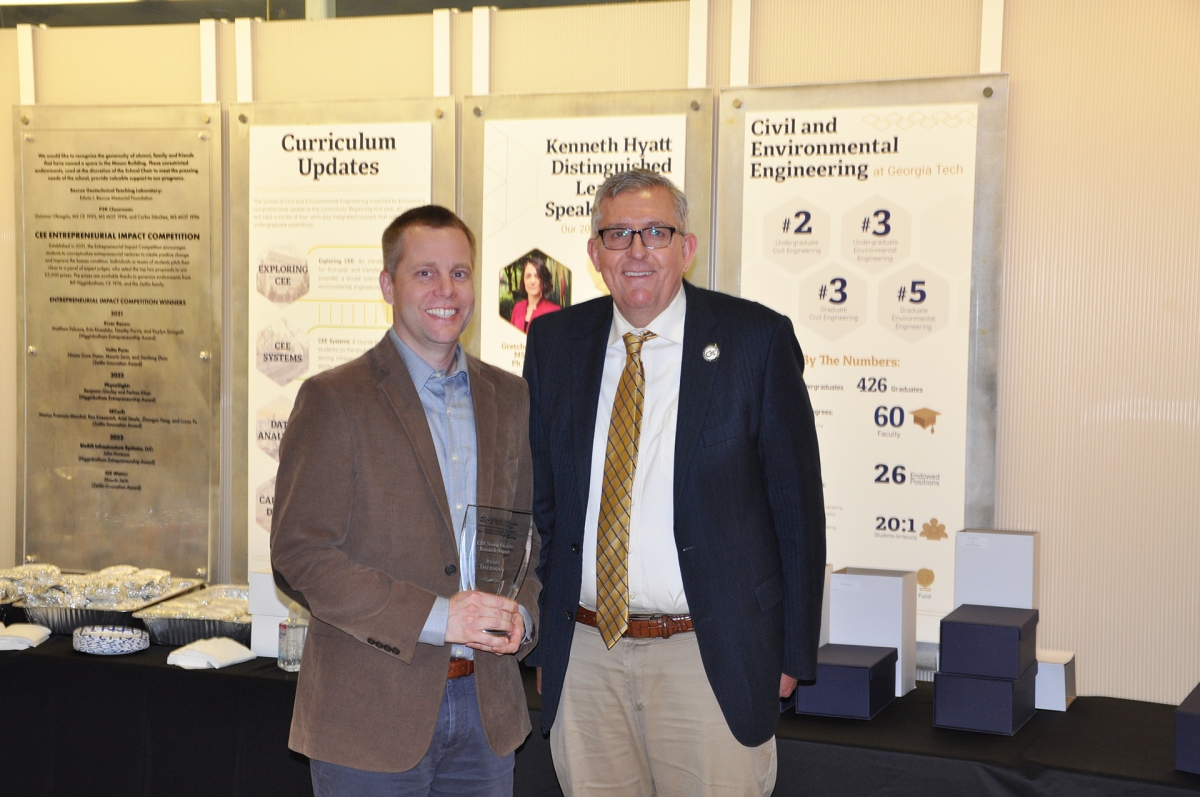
(620, 462)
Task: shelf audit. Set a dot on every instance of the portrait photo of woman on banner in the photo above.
(531, 286)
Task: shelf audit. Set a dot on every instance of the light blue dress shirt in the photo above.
(446, 399)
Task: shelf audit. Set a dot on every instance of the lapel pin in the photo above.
(711, 352)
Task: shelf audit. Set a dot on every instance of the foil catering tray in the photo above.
(178, 631)
(183, 622)
(64, 620)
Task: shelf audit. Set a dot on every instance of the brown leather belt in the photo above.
(460, 668)
(659, 626)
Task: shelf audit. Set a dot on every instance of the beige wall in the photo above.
(591, 48)
(1099, 426)
(720, 16)
(376, 58)
(1099, 422)
(824, 41)
(117, 66)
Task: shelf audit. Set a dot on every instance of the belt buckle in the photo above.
(668, 626)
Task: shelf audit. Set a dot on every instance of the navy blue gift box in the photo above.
(854, 681)
(1187, 733)
(992, 641)
(987, 669)
(990, 705)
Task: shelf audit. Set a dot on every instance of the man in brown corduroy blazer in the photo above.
(401, 688)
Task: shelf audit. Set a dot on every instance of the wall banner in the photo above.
(858, 217)
(119, 253)
(319, 196)
(528, 187)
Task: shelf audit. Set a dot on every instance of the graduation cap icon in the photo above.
(925, 418)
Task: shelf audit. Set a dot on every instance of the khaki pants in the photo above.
(641, 720)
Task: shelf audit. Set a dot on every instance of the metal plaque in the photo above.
(119, 252)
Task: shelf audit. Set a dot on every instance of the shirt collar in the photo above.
(421, 371)
(667, 325)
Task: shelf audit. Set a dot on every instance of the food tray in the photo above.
(166, 629)
(186, 630)
(64, 620)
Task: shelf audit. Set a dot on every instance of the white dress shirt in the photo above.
(655, 583)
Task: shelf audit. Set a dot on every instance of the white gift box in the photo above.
(825, 609)
(877, 608)
(265, 597)
(1055, 679)
(996, 568)
(264, 634)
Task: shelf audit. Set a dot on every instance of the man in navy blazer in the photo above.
(726, 541)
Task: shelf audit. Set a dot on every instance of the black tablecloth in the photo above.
(132, 725)
(1100, 746)
(1097, 735)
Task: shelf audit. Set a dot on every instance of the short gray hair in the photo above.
(638, 180)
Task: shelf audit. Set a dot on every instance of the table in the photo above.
(132, 725)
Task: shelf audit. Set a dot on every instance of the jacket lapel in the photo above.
(696, 377)
(483, 399)
(397, 386)
(587, 370)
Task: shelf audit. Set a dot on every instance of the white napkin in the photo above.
(216, 653)
(20, 636)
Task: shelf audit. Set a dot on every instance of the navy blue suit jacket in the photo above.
(749, 511)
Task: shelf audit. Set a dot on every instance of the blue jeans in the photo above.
(459, 760)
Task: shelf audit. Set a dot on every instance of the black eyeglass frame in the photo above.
(670, 237)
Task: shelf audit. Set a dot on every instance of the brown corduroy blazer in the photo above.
(362, 532)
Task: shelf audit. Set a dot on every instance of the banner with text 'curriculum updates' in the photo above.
(320, 197)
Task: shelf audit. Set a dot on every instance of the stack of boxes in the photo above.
(1000, 568)
(877, 608)
(867, 656)
(988, 669)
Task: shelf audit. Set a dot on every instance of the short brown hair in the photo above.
(434, 217)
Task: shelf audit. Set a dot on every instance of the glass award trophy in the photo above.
(503, 540)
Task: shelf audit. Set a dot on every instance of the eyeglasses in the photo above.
(622, 237)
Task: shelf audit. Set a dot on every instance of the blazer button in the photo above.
(569, 615)
(574, 547)
(370, 641)
(451, 570)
